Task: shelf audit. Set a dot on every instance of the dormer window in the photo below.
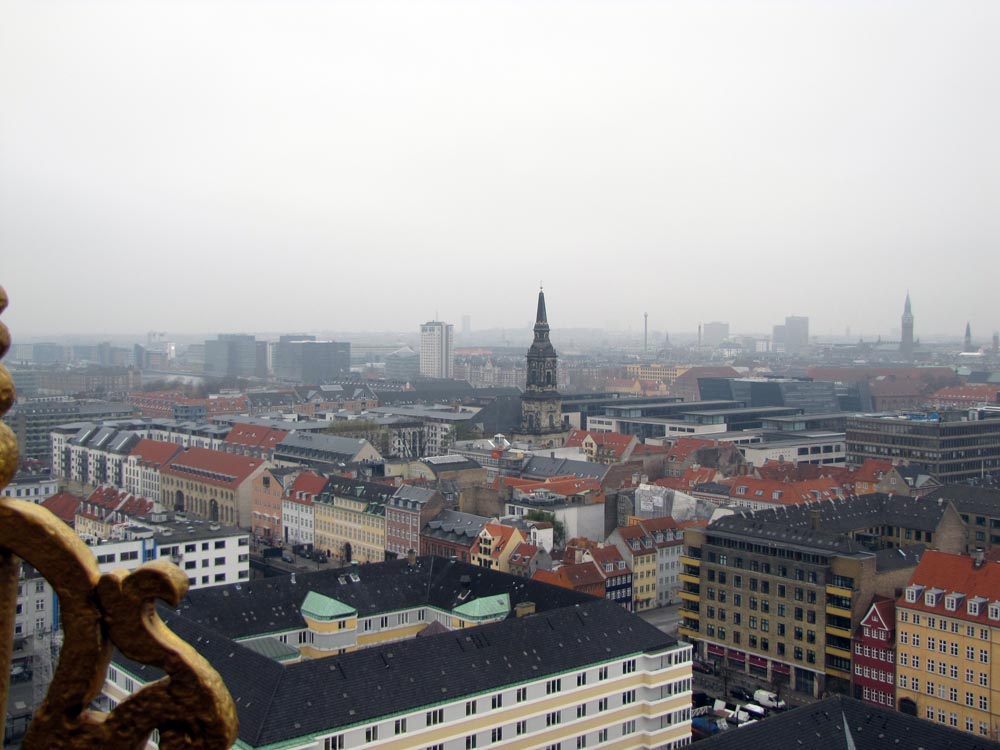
(975, 606)
(993, 611)
(953, 601)
(913, 593)
(932, 597)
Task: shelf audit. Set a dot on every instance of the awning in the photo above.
(737, 655)
(780, 667)
(716, 650)
(758, 661)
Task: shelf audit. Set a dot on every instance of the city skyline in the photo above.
(275, 167)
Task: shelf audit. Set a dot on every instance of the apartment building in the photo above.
(781, 592)
(948, 643)
(331, 661)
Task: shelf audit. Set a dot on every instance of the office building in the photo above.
(796, 334)
(952, 445)
(437, 355)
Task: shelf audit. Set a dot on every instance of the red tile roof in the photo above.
(955, 574)
(685, 446)
(63, 505)
(212, 467)
(155, 452)
(783, 492)
(872, 470)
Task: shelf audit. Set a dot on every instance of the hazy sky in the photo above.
(284, 165)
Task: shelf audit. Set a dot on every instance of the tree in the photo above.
(779, 681)
(558, 529)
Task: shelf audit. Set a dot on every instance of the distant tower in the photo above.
(541, 404)
(906, 342)
(968, 338)
(437, 357)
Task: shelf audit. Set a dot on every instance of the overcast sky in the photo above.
(285, 165)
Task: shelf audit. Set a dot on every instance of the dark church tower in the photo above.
(906, 342)
(968, 339)
(541, 404)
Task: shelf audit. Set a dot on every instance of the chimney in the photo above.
(524, 609)
(411, 558)
(978, 557)
(814, 520)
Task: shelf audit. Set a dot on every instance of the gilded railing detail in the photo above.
(190, 706)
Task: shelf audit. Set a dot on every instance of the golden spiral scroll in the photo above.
(190, 706)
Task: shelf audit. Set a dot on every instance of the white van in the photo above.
(767, 699)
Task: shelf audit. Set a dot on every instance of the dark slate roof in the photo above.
(323, 448)
(899, 558)
(269, 605)
(358, 489)
(455, 527)
(408, 496)
(278, 703)
(841, 723)
(543, 467)
(841, 516)
(271, 399)
(979, 500)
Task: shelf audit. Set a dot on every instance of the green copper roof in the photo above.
(272, 648)
(319, 607)
(484, 608)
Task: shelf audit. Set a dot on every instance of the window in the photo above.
(602, 673)
(984, 656)
(581, 679)
(552, 718)
(496, 734)
(628, 727)
(497, 701)
(371, 733)
(522, 694)
(435, 717)
(628, 667)
(470, 742)
(581, 710)
(470, 708)
(552, 686)
(336, 742)
(399, 727)
(602, 736)
(522, 727)
(983, 703)
(628, 697)
(581, 742)
(602, 704)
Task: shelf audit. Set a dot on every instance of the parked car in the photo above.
(320, 557)
(755, 711)
(740, 693)
(769, 700)
(288, 557)
(702, 666)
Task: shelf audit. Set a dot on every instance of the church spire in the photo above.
(906, 307)
(540, 317)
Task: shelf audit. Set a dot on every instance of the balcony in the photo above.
(694, 562)
(835, 611)
(690, 579)
(843, 653)
(689, 596)
(841, 632)
(832, 590)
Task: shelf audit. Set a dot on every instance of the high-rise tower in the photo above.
(906, 341)
(968, 338)
(437, 357)
(541, 404)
